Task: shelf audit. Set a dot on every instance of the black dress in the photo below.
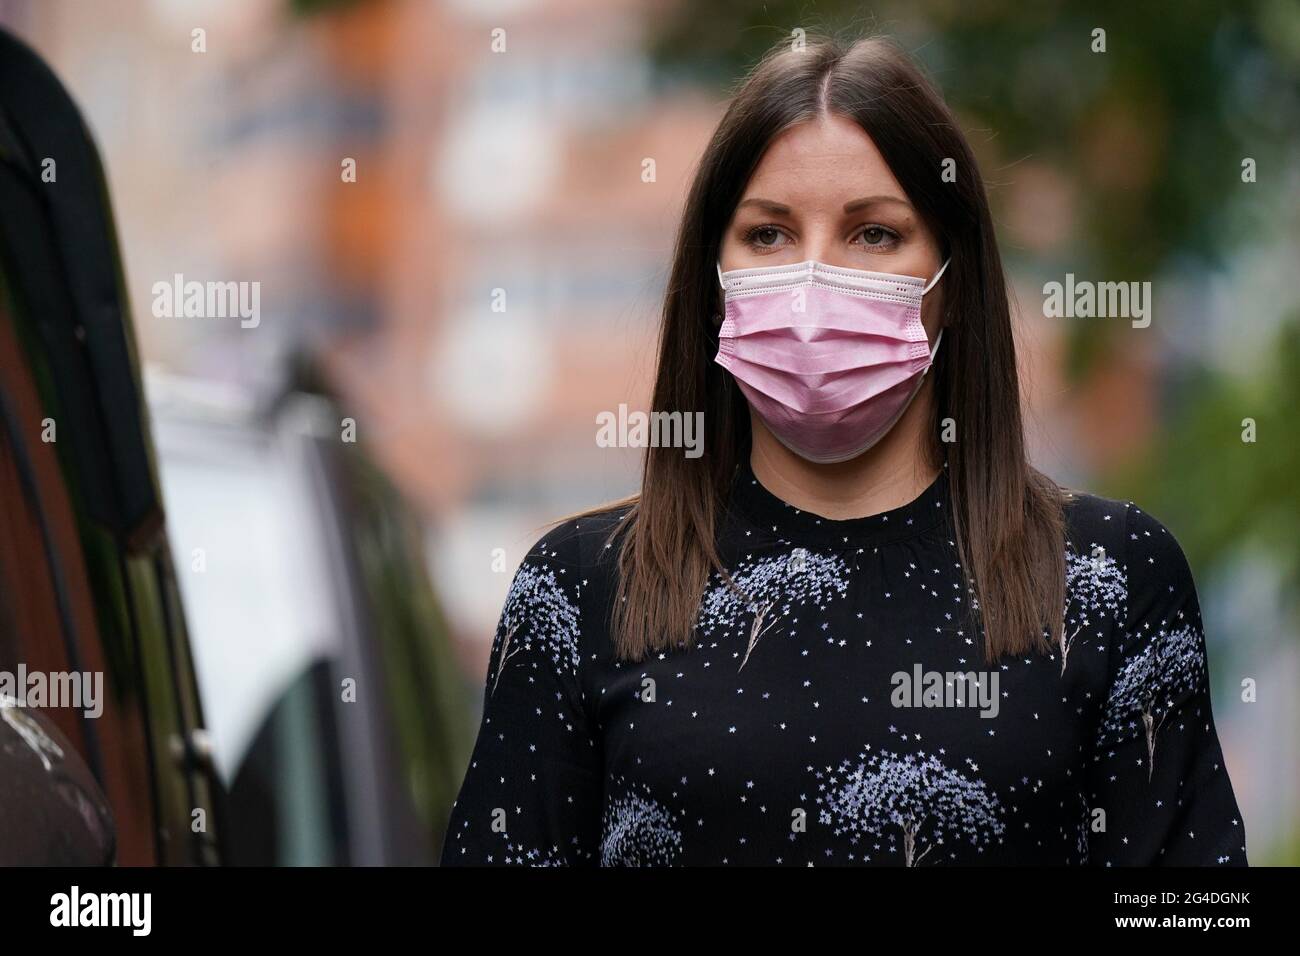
(842, 714)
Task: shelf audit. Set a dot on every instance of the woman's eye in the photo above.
(764, 237)
(878, 236)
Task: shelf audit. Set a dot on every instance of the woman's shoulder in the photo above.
(562, 586)
(1092, 521)
(1102, 529)
(585, 543)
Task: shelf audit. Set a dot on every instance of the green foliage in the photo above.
(1221, 492)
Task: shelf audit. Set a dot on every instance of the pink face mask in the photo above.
(828, 357)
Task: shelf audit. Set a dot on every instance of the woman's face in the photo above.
(823, 191)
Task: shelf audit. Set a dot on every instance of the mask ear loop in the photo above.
(717, 319)
(935, 349)
(929, 285)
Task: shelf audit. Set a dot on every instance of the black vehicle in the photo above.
(86, 579)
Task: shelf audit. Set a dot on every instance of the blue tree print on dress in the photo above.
(536, 600)
(917, 793)
(1151, 683)
(638, 831)
(770, 589)
(1096, 588)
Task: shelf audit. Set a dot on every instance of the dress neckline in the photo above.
(774, 516)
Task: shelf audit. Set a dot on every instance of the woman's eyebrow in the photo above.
(854, 205)
(775, 208)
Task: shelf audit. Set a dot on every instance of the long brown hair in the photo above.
(1007, 516)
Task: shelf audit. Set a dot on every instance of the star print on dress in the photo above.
(520, 856)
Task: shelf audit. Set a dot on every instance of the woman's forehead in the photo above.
(828, 160)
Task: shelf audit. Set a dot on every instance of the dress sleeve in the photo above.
(532, 793)
(1157, 771)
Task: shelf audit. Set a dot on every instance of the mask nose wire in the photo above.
(930, 285)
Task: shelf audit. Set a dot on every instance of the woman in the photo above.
(860, 629)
